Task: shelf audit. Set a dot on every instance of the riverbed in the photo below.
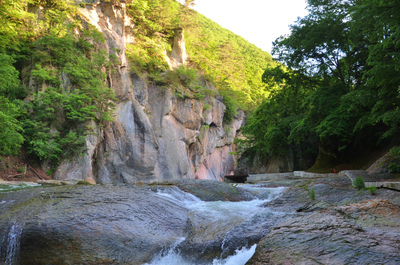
(158, 224)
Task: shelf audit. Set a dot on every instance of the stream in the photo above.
(132, 225)
(220, 213)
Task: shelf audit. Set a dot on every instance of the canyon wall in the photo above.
(155, 135)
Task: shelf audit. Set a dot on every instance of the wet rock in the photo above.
(90, 224)
(55, 182)
(341, 226)
(326, 238)
(210, 190)
(85, 224)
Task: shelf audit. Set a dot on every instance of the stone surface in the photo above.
(86, 224)
(155, 135)
(296, 159)
(341, 226)
(209, 190)
(90, 224)
(178, 55)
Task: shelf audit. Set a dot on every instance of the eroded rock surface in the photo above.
(341, 226)
(87, 224)
(90, 224)
(155, 134)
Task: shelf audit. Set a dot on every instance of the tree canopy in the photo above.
(44, 44)
(341, 85)
(38, 50)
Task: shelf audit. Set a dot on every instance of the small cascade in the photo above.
(10, 245)
(170, 255)
(216, 218)
(173, 256)
(240, 257)
(177, 195)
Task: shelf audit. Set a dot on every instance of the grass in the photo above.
(21, 169)
(358, 183)
(312, 194)
(372, 190)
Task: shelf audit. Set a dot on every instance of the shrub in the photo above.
(312, 194)
(83, 182)
(372, 190)
(230, 110)
(206, 107)
(21, 169)
(358, 183)
(394, 168)
(395, 152)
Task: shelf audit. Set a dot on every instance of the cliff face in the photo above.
(154, 135)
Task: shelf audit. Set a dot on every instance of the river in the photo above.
(133, 225)
(221, 214)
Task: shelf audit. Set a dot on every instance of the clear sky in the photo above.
(258, 21)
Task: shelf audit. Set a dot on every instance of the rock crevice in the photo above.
(154, 135)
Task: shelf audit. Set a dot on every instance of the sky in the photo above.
(258, 21)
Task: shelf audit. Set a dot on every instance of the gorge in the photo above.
(155, 134)
(128, 114)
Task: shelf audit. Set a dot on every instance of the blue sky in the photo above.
(258, 21)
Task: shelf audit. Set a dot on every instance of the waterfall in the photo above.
(10, 245)
(240, 257)
(173, 257)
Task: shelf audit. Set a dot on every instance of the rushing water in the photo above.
(219, 213)
(174, 257)
(218, 233)
(17, 186)
(11, 245)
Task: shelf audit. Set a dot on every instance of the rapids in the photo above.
(223, 216)
(152, 225)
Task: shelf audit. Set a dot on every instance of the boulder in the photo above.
(88, 225)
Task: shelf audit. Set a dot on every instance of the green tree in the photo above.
(11, 138)
(343, 59)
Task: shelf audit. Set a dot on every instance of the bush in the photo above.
(21, 169)
(372, 190)
(206, 107)
(358, 183)
(230, 110)
(55, 124)
(312, 194)
(11, 138)
(395, 152)
(394, 168)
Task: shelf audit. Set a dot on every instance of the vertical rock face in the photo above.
(178, 55)
(154, 135)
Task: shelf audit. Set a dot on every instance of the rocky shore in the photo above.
(341, 225)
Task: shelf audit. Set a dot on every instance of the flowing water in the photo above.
(219, 229)
(17, 186)
(223, 217)
(9, 244)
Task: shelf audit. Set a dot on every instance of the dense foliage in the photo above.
(230, 62)
(342, 82)
(61, 73)
(53, 71)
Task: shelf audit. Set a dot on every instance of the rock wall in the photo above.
(155, 135)
(298, 158)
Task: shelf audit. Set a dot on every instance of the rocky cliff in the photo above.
(155, 135)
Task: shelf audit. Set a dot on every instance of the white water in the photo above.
(220, 213)
(173, 257)
(12, 245)
(20, 186)
(240, 257)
